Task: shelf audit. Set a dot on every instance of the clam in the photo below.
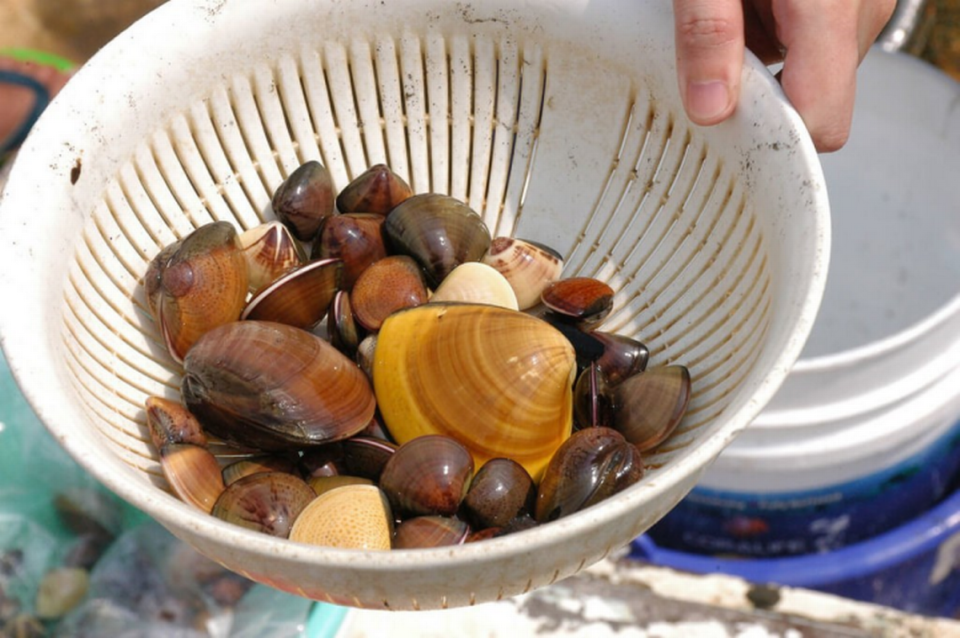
(193, 474)
(361, 456)
(356, 239)
(474, 282)
(267, 502)
(648, 406)
(304, 200)
(590, 466)
(428, 475)
(256, 464)
(377, 190)
(529, 267)
(299, 298)
(342, 328)
(500, 491)
(391, 284)
(592, 399)
(584, 299)
(622, 356)
(270, 251)
(321, 484)
(169, 422)
(274, 387)
(439, 232)
(366, 350)
(60, 590)
(351, 517)
(196, 285)
(498, 381)
(430, 531)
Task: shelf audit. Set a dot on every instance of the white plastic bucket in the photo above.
(863, 435)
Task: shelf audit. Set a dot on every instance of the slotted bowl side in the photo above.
(556, 121)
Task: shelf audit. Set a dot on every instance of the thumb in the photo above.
(709, 45)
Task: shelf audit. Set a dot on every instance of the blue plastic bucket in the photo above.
(915, 567)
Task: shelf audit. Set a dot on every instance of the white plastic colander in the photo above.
(556, 121)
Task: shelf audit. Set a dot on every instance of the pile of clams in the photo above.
(413, 382)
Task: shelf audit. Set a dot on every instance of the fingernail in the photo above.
(707, 100)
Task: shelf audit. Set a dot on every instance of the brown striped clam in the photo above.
(270, 250)
(196, 284)
(500, 491)
(354, 238)
(529, 267)
(430, 531)
(274, 387)
(498, 381)
(299, 298)
(267, 502)
(648, 406)
(427, 475)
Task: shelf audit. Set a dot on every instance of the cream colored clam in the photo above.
(497, 380)
(350, 517)
(527, 266)
(270, 250)
(474, 282)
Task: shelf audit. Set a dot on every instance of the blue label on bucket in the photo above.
(789, 523)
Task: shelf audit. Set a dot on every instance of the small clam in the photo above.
(351, 517)
(256, 464)
(584, 299)
(366, 456)
(366, 350)
(377, 190)
(500, 491)
(270, 251)
(622, 356)
(299, 298)
(592, 399)
(439, 232)
(60, 591)
(391, 284)
(356, 239)
(274, 387)
(648, 406)
(199, 284)
(169, 422)
(590, 466)
(321, 484)
(193, 473)
(304, 200)
(528, 267)
(428, 475)
(267, 502)
(342, 328)
(498, 381)
(474, 282)
(430, 531)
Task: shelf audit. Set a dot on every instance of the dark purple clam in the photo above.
(427, 475)
(439, 232)
(366, 456)
(650, 405)
(622, 356)
(274, 387)
(378, 190)
(430, 531)
(583, 299)
(356, 238)
(590, 466)
(500, 491)
(267, 502)
(304, 200)
(592, 399)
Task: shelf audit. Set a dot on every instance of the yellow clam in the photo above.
(497, 380)
(350, 517)
(476, 283)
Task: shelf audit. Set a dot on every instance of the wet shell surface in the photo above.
(299, 298)
(498, 381)
(304, 200)
(270, 251)
(350, 517)
(274, 387)
(377, 190)
(267, 502)
(474, 282)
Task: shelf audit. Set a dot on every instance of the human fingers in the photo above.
(709, 49)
